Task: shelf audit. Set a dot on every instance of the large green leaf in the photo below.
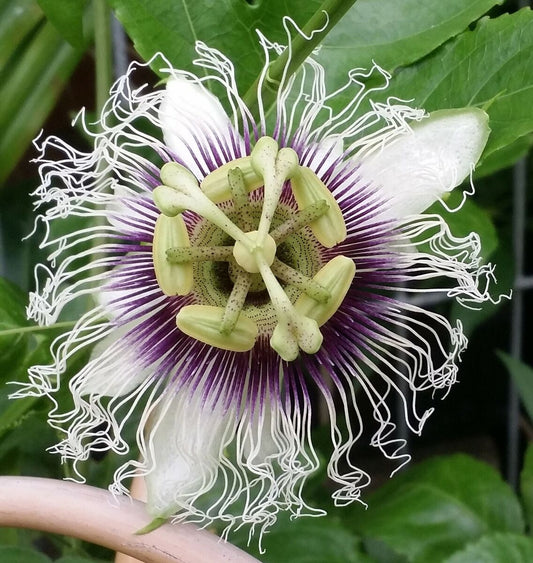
(526, 486)
(67, 17)
(380, 30)
(228, 25)
(386, 32)
(306, 540)
(465, 218)
(17, 20)
(13, 340)
(433, 509)
(489, 66)
(21, 555)
(30, 90)
(496, 548)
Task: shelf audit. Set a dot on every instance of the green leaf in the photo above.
(306, 540)
(18, 18)
(468, 218)
(13, 342)
(76, 559)
(487, 67)
(433, 509)
(173, 28)
(526, 486)
(386, 32)
(472, 318)
(22, 344)
(496, 548)
(67, 17)
(504, 157)
(21, 555)
(522, 376)
(30, 91)
(23, 449)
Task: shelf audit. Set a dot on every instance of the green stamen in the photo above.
(235, 302)
(203, 322)
(173, 279)
(252, 258)
(307, 188)
(180, 255)
(299, 220)
(293, 277)
(239, 195)
(215, 185)
(336, 277)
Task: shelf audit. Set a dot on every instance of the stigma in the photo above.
(254, 240)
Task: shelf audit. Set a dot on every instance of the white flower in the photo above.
(270, 280)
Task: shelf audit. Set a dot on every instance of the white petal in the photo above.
(192, 118)
(433, 158)
(185, 448)
(113, 370)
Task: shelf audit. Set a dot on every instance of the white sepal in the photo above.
(191, 117)
(185, 444)
(429, 160)
(114, 369)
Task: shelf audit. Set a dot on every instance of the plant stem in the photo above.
(103, 52)
(37, 328)
(300, 49)
(96, 516)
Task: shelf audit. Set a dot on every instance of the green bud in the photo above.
(173, 279)
(336, 277)
(308, 189)
(204, 323)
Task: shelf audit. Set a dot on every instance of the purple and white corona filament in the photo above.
(242, 268)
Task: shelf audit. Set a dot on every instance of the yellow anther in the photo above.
(204, 322)
(173, 279)
(308, 189)
(216, 187)
(336, 277)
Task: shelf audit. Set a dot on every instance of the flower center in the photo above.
(301, 303)
(250, 256)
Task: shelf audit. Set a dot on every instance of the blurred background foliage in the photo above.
(453, 505)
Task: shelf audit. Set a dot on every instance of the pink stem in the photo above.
(96, 516)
